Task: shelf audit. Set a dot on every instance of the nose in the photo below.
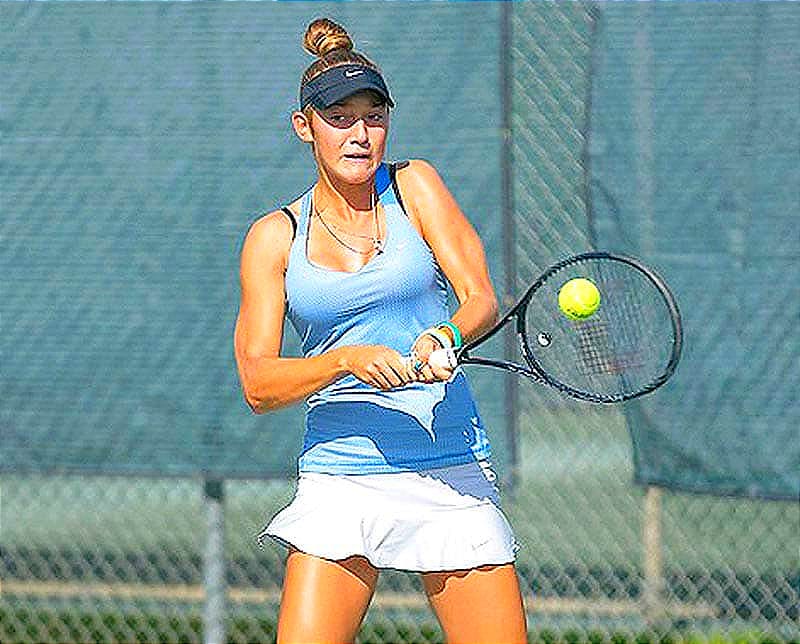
(359, 132)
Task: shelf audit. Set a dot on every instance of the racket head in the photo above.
(629, 347)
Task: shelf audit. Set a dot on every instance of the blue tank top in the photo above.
(351, 427)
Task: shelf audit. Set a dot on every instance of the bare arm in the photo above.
(454, 243)
(270, 381)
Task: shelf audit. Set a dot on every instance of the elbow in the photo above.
(262, 402)
(258, 404)
(254, 391)
(255, 404)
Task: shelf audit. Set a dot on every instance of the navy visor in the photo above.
(337, 83)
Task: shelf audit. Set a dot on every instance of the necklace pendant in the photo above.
(378, 244)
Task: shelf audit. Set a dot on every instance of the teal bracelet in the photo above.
(457, 339)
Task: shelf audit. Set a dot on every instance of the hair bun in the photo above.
(324, 36)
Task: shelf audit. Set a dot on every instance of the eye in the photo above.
(339, 119)
(377, 118)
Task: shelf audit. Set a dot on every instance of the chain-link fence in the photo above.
(122, 560)
(125, 559)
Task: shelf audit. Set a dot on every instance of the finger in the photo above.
(427, 375)
(399, 369)
(411, 367)
(383, 383)
(441, 373)
(388, 382)
(376, 377)
(394, 372)
(422, 371)
(424, 347)
(410, 370)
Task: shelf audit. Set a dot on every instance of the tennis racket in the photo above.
(629, 347)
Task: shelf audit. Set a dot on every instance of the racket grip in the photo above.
(443, 358)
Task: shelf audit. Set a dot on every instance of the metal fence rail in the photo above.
(117, 559)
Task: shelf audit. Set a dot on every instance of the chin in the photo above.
(358, 171)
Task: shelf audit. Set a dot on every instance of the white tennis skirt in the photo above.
(442, 519)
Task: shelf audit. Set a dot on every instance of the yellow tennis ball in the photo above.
(578, 298)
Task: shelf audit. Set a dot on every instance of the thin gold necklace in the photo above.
(377, 242)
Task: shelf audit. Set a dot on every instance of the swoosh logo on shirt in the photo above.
(350, 73)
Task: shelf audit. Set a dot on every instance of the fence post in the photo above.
(652, 563)
(214, 563)
(510, 352)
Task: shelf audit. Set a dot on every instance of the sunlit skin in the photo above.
(348, 141)
(325, 601)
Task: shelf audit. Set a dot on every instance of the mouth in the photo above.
(357, 156)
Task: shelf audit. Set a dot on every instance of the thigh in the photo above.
(480, 605)
(323, 600)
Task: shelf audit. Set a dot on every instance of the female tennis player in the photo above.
(394, 470)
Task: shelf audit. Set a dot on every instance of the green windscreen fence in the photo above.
(694, 155)
(140, 140)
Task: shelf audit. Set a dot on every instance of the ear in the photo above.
(302, 127)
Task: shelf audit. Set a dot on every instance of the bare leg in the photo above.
(323, 600)
(483, 605)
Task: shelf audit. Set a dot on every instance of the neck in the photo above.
(346, 200)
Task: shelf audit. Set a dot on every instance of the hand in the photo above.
(379, 366)
(422, 349)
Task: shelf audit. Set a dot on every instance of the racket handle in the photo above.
(445, 358)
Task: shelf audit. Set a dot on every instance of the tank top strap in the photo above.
(305, 213)
(386, 185)
(382, 180)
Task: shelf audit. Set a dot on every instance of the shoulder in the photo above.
(417, 173)
(424, 191)
(273, 228)
(269, 239)
(421, 186)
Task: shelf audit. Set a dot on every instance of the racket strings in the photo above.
(594, 347)
(620, 350)
(635, 324)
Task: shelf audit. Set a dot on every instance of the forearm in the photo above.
(270, 383)
(476, 314)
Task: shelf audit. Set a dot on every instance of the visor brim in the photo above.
(333, 95)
